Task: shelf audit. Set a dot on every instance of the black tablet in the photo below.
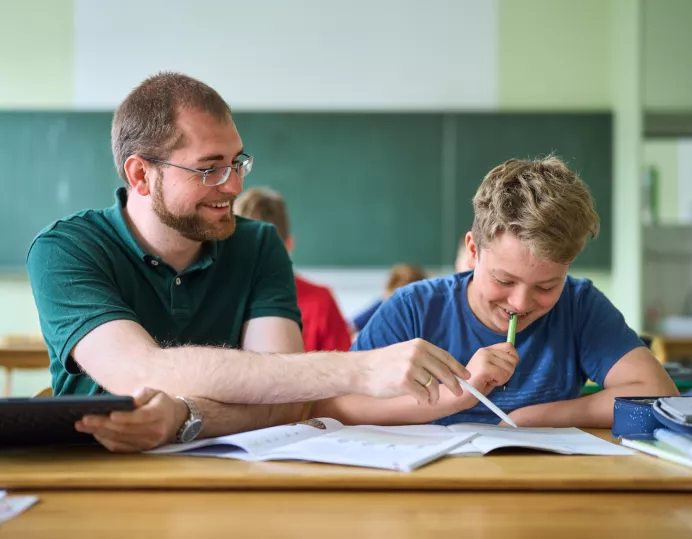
(50, 420)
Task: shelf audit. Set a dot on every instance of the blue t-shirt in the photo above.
(581, 337)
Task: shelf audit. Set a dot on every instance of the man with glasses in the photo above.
(168, 289)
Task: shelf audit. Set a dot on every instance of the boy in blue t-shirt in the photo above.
(531, 220)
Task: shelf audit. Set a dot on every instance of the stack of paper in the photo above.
(668, 445)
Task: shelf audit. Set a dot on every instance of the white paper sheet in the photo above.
(356, 446)
(11, 506)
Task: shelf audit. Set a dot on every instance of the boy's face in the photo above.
(508, 278)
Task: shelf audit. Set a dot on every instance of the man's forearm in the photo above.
(591, 411)
(122, 358)
(223, 419)
(239, 376)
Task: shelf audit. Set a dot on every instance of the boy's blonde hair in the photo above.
(265, 205)
(541, 202)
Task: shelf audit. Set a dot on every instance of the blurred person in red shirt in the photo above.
(324, 328)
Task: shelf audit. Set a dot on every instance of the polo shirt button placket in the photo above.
(178, 281)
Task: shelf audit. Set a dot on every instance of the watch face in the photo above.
(191, 431)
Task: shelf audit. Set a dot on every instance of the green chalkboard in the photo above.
(363, 189)
(51, 164)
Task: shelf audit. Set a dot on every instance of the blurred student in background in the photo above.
(324, 328)
(400, 275)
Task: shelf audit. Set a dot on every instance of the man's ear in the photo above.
(472, 251)
(290, 244)
(140, 174)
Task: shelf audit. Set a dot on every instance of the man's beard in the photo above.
(193, 226)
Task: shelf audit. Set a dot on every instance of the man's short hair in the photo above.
(266, 205)
(145, 122)
(541, 202)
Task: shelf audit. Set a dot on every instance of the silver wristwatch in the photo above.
(193, 425)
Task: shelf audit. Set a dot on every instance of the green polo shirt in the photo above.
(87, 269)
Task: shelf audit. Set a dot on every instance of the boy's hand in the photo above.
(489, 367)
(492, 366)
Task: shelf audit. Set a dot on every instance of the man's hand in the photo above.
(155, 421)
(492, 366)
(406, 369)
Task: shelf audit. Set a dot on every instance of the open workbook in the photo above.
(396, 448)
(487, 438)
(326, 440)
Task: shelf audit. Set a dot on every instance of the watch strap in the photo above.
(193, 415)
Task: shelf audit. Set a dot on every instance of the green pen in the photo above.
(511, 334)
(512, 331)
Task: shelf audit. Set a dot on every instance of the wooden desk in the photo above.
(88, 468)
(301, 515)
(16, 354)
(171, 497)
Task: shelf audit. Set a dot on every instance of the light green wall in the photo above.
(36, 62)
(554, 55)
(667, 55)
(663, 154)
(627, 155)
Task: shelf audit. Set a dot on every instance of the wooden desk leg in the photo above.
(8, 382)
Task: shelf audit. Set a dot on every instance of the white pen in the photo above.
(485, 400)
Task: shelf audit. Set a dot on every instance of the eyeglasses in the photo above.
(212, 177)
